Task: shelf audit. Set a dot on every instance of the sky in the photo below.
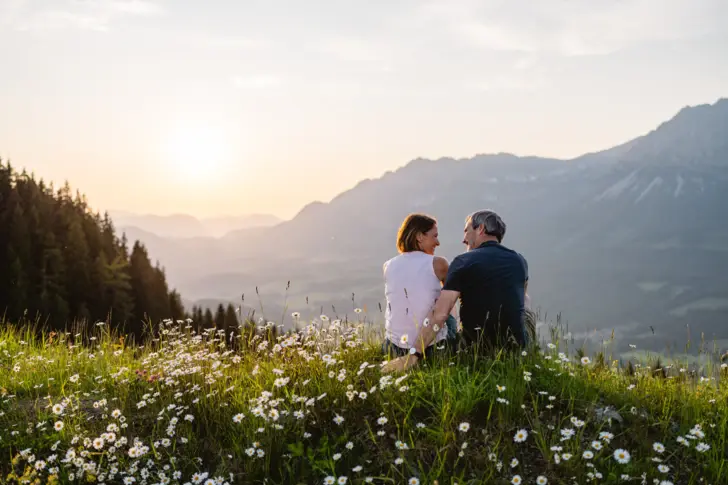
(234, 107)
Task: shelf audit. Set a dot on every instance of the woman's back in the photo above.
(411, 288)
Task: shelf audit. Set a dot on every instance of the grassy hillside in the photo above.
(314, 408)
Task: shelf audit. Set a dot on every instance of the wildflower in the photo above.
(622, 456)
(238, 417)
(587, 455)
(702, 447)
(520, 436)
(357, 469)
(401, 445)
(663, 468)
(342, 480)
(516, 480)
(541, 480)
(500, 388)
(464, 427)
(58, 425)
(413, 481)
(658, 447)
(338, 419)
(336, 456)
(514, 463)
(329, 480)
(585, 360)
(281, 381)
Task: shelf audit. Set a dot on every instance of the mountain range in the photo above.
(632, 239)
(187, 226)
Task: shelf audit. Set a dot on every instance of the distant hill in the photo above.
(633, 238)
(187, 226)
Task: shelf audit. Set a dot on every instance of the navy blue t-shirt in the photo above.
(491, 280)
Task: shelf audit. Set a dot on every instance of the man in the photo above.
(490, 280)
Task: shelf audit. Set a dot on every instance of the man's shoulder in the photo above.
(512, 252)
(462, 259)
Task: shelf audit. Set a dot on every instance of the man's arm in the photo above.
(435, 319)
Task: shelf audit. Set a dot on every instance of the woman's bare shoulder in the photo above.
(440, 265)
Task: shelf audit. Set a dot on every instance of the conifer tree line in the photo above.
(61, 263)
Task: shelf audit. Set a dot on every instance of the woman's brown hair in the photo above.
(413, 225)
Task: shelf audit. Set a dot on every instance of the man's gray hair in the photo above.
(492, 223)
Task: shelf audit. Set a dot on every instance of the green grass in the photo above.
(313, 407)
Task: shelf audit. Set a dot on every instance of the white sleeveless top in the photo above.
(411, 288)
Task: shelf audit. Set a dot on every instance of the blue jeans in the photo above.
(452, 327)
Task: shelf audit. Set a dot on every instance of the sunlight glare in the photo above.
(196, 153)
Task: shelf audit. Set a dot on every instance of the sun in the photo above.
(196, 153)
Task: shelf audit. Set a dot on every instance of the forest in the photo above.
(62, 265)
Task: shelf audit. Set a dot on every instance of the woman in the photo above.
(412, 282)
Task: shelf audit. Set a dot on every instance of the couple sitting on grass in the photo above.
(421, 290)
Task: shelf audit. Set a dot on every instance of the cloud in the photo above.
(135, 7)
(256, 82)
(511, 83)
(351, 49)
(234, 42)
(573, 28)
(95, 15)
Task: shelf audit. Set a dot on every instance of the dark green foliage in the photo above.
(61, 263)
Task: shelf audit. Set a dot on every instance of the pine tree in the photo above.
(78, 271)
(208, 320)
(220, 317)
(17, 259)
(231, 317)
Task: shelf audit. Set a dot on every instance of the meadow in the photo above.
(312, 406)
